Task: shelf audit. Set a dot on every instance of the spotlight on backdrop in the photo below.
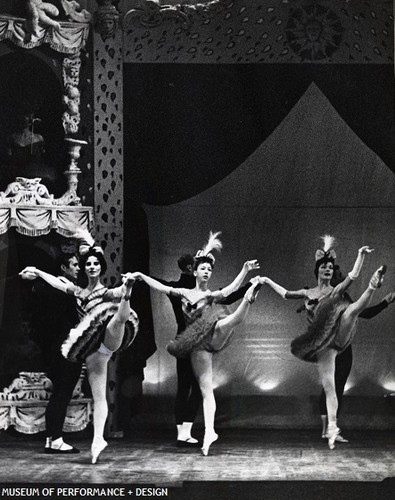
(220, 379)
(266, 385)
(389, 386)
(348, 386)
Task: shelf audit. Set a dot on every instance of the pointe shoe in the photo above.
(128, 283)
(96, 448)
(339, 438)
(332, 433)
(252, 292)
(208, 440)
(377, 279)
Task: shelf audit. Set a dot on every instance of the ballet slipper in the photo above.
(187, 443)
(377, 279)
(209, 439)
(332, 433)
(59, 447)
(97, 447)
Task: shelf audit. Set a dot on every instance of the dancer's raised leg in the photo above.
(352, 312)
(202, 363)
(116, 326)
(224, 327)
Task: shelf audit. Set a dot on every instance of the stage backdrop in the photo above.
(310, 176)
(273, 123)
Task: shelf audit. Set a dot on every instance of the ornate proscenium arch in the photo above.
(68, 38)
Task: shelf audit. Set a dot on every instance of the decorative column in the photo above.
(108, 143)
(71, 119)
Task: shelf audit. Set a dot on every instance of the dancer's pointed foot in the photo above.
(209, 439)
(339, 438)
(377, 279)
(252, 292)
(127, 286)
(97, 447)
(332, 433)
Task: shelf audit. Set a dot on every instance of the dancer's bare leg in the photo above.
(96, 365)
(202, 364)
(116, 326)
(225, 326)
(326, 369)
(352, 312)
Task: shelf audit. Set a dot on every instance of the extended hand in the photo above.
(250, 265)
(261, 279)
(128, 278)
(365, 249)
(131, 276)
(29, 273)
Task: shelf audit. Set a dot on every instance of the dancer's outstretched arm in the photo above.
(31, 273)
(154, 284)
(248, 266)
(284, 293)
(354, 273)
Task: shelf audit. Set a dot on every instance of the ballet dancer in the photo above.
(332, 318)
(207, 327)
(107, 324)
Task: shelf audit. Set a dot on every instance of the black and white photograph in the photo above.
(197, 249)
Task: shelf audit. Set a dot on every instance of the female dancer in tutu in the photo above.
(332, 318)
(207, 327)
(107, 324)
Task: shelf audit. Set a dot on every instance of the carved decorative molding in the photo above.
(28, 386)
(71, 98)
(153, 13)
(106, 19)
(23, 404)
(27, 205)
(75, 13)
(25, 191)
(69, 39)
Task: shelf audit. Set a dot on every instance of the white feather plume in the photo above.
(213, 243)
(83, 235)
(329, 242)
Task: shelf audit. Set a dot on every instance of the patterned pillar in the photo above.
(108, 153)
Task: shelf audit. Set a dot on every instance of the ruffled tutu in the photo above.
(87, 336)
(322, 332)
(198, 335)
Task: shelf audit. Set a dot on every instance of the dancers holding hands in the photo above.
(108, 324)
(207, 327)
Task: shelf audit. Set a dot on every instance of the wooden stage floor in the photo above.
(241, 461)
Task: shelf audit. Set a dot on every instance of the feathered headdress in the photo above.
(327, 252)
(213, 243)
(85, 241)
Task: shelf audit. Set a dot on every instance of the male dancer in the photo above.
(57, 314)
